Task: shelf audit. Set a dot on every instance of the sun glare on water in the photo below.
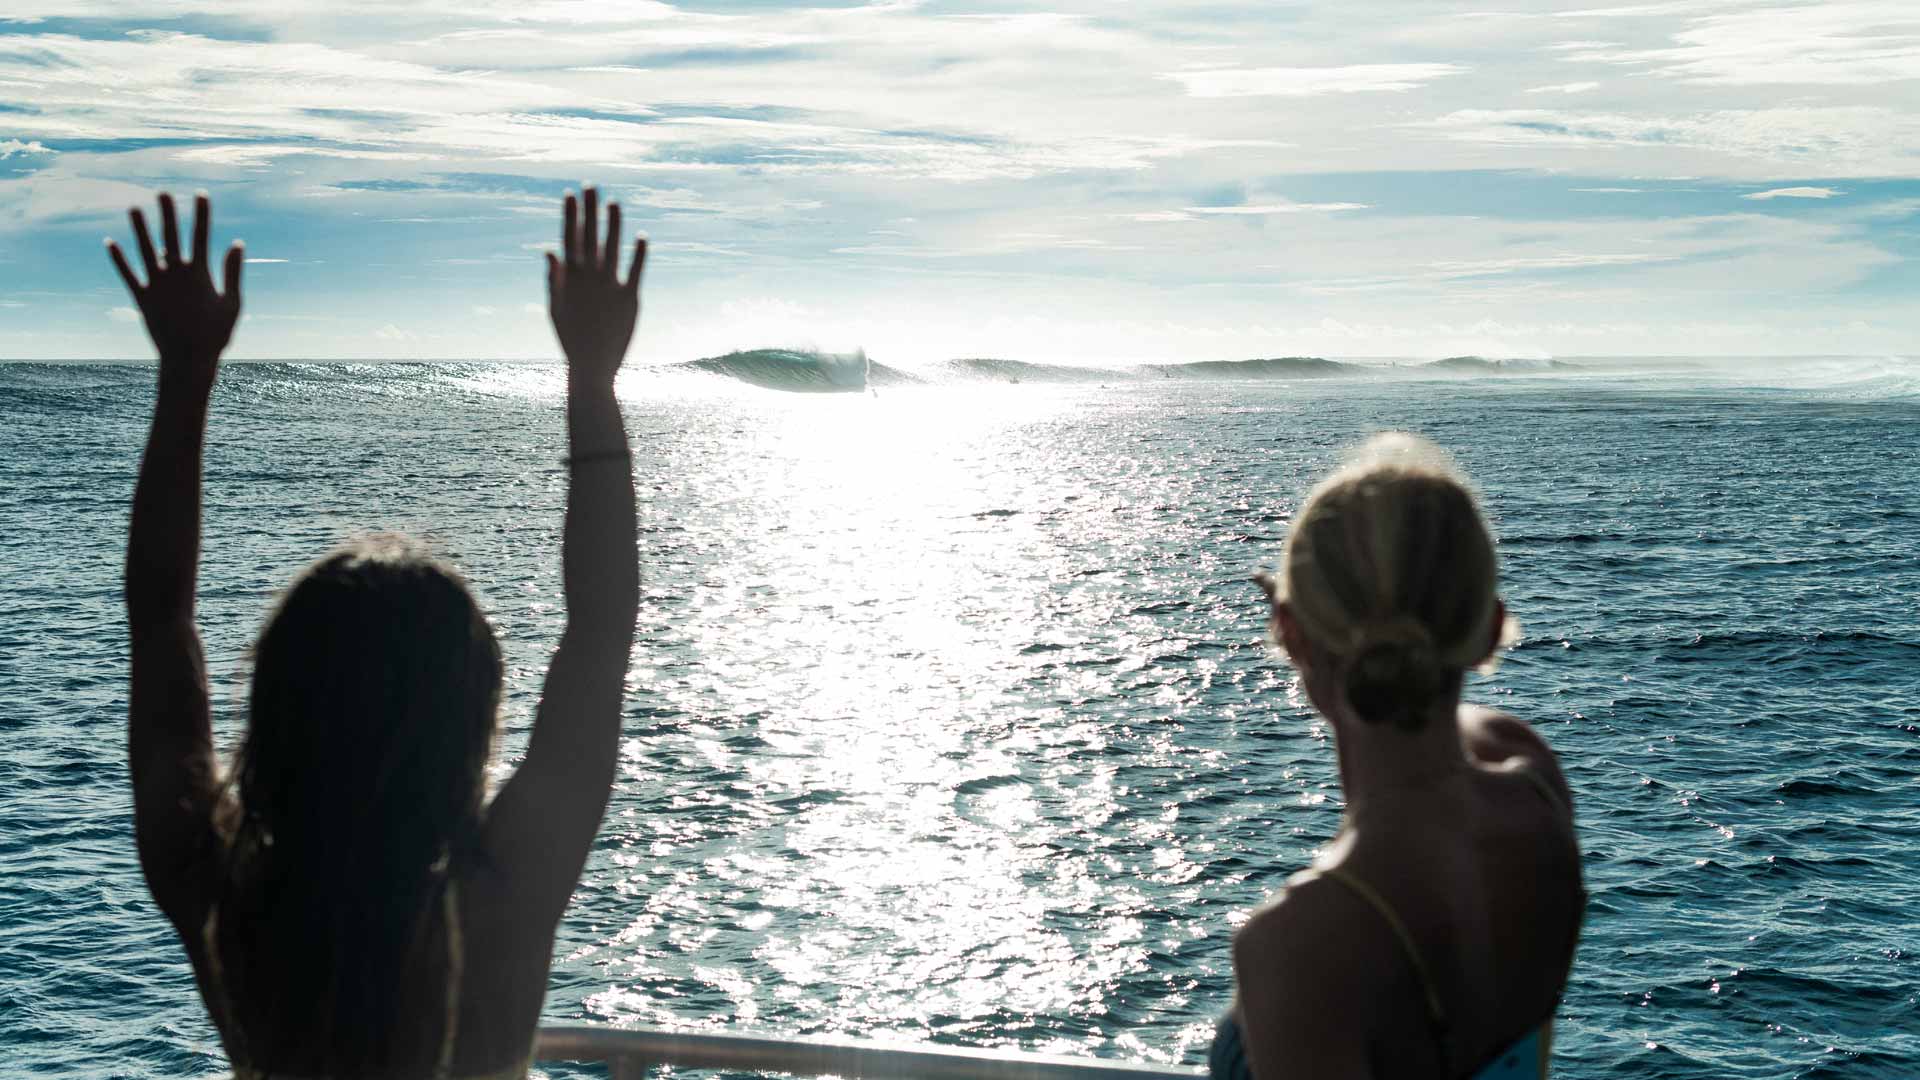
(868, 572)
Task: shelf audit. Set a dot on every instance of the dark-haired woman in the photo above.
(351, 903)
(1433, 936)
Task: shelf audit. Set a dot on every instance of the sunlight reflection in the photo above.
(868, 677)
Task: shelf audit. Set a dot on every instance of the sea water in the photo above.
(950, 718)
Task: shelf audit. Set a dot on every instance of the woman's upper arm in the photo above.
(542, 825)
(1301, 997)
(170, 760)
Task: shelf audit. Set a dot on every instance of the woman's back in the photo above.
(1481, 875)
(1487, 884)
(466, 989)
(284, 1006)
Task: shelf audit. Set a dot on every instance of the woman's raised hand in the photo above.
(593, 310)
(189, 321)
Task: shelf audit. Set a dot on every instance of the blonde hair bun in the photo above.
(1390, 567)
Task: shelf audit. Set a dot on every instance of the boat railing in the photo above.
(631, 1052)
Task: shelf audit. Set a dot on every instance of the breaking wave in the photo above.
(801, 370)
(1848, 378)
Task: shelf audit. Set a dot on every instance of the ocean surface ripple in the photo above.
(951, 718)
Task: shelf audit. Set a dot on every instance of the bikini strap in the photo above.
(1435, 1013)
(456, 969)
(1545, 789)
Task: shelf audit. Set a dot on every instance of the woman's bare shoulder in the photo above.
(1502, 742)
(1311, 917)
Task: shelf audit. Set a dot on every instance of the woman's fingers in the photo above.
(639, 264)
(590, 229)
(230, 276)
(202, 224)
(569, 227)
(126, 272)
(169, 229)
(145, 241)
(613, 241)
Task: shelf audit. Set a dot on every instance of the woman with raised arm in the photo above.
(1433, 935)
(351, 903)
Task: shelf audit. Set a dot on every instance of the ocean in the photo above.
(951, 719)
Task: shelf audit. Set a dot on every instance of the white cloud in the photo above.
(256, 103)
(784, 149)
(251, 261)
(1838, 140)
(1277, 208)
(1568, 261)
(1840, 43)
(1267, 209)
(259, 156)
(123, 315)
(10, 147)
(59, 193)
(592, 11)
(1796, 193)
(1309, 81)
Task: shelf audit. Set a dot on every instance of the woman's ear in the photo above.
(1288, 632)
(1496, 629)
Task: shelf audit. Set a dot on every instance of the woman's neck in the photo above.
(1384, 765)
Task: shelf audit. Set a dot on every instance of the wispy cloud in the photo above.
(1796, 193)
(1565, 261)
(1277, 208)
(1862, 140)
(1310, 81)
(936, 160)
(1843, 43)
(1191, 213)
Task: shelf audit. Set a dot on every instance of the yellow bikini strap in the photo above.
(1379, 903)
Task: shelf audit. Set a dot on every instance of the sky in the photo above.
(1080, 181)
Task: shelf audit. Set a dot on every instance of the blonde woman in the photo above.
(1433, 935)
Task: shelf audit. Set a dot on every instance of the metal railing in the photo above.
(632, 1051)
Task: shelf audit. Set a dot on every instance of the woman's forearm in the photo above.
(599, 557)
(163, 543)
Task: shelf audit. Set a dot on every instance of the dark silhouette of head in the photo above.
(376, 686)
